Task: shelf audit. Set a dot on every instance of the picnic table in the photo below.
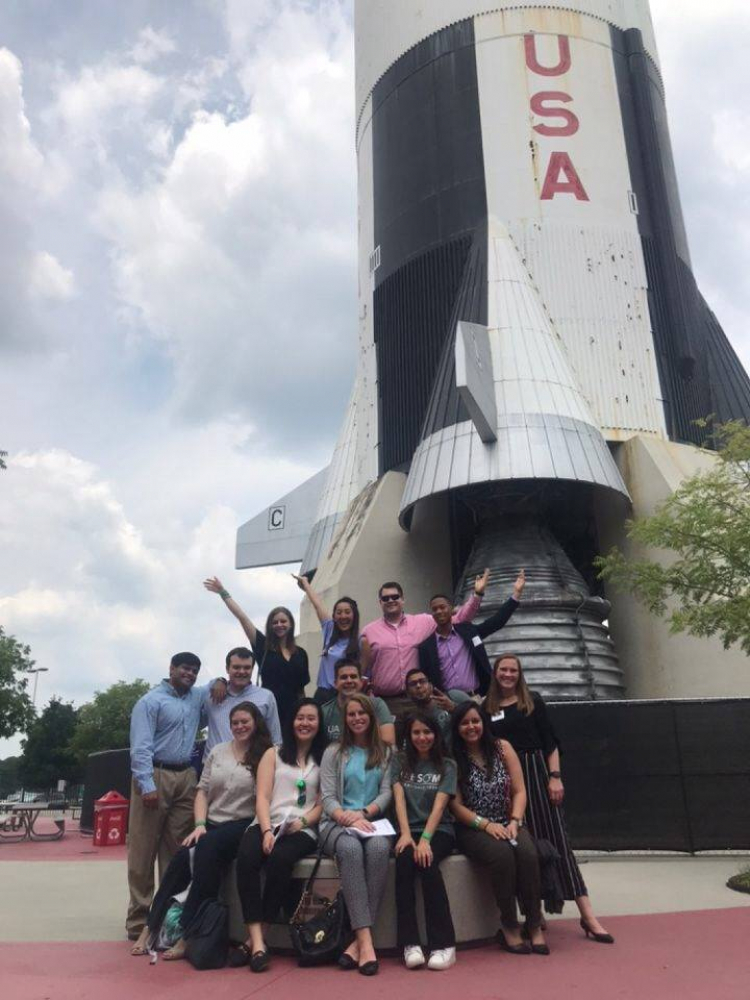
(18, 821)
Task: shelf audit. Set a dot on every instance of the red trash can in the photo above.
(110, 820)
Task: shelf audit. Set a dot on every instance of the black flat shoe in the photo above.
(599, 938)
(540, 949)
(239, 955)
(369, 968)
(512, 949)
(259, 961)
(347, 963)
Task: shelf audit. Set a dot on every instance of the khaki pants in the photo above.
(156, 833)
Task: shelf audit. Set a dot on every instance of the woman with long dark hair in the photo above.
(356, 787)
(225, 803)
(423, 781)
(287, 813)
(519, 716)
(340, 637)
(489, 808)
(282, 664)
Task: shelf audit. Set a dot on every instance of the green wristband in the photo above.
(200, 822)
(426, 836)
(224, 594)
(477, 821)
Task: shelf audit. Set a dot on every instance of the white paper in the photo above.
(283, 827)
(381, 828)
(476, 640)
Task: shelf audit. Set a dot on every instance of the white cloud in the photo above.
(237, 255)
(20, 160)
(84, 102)
(49, 279)
(151, 45)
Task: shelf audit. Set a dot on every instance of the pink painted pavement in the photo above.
(696, 955)
(74, 846)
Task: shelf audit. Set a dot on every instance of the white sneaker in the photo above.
(442, 959)
(414, 956)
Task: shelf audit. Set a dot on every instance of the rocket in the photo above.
(526, 303)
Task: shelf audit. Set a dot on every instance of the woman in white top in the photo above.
(224, 807)
(287, 812)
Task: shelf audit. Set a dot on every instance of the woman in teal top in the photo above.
(355, 782)
(424, 781)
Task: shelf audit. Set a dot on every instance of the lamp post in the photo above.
(36, 671)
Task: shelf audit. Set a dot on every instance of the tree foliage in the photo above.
(703, 528)
(46, 756)
(16, 710)
(104, 723)
(3, 456)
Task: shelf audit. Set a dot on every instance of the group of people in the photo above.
(409, 721)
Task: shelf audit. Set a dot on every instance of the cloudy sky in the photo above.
(178, 295)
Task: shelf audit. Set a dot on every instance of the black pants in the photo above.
(214, 852)
(257, 908)
(437, 911)
(512, 871)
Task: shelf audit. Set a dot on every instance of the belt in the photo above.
(171, 767)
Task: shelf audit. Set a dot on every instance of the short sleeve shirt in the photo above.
(333, 717)
(420, 788)
(332, 653)
(229, 786)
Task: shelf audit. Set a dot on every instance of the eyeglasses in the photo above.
(417, 682)
(387, 598)
(301, 792)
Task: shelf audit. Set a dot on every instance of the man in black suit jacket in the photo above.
(454, 658)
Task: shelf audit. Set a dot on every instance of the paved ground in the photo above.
(680, 934)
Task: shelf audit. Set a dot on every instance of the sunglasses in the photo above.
(385, 598)
(301, 791)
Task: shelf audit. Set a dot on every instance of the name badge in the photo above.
(498, 716)
(477, 641)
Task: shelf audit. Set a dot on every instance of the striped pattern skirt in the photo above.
(547, 822)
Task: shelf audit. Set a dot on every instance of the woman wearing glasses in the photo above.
(355, 782)
(287, 811)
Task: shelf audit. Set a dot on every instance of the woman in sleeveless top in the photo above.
(520, 717)
(489, 809)
(287, 812)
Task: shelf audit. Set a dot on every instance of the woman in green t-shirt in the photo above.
(424, 780)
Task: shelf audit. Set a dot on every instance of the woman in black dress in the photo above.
(520, 717)
(282, 664)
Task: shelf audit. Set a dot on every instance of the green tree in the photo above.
(3, 456)
(45, 753)
(16, 710)
(104, 723)
(702, 583)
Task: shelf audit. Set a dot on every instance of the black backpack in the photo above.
(207, 936)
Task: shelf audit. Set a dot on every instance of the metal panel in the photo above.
(386, 29)
(474, 377)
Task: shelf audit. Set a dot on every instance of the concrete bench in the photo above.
(475, 914)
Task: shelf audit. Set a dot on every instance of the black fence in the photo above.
(656, 775)
(650, 775)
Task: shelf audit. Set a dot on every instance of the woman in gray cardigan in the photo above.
(355, 784)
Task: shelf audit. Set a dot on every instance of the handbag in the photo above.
(319, 927)
(207, 936)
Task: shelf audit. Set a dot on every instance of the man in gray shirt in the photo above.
(348, 681)
(239, 687)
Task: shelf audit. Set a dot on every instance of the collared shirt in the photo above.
(163, 727)
(394, 647)
(332, 653)
(456, 665)
(219, 730)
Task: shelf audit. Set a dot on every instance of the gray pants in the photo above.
(363, 867)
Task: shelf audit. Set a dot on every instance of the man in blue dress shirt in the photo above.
(163, 727)
(239, 687)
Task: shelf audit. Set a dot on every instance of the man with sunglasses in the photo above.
(163, 728)
(390, 644)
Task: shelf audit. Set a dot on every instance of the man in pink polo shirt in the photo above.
(389, 645)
